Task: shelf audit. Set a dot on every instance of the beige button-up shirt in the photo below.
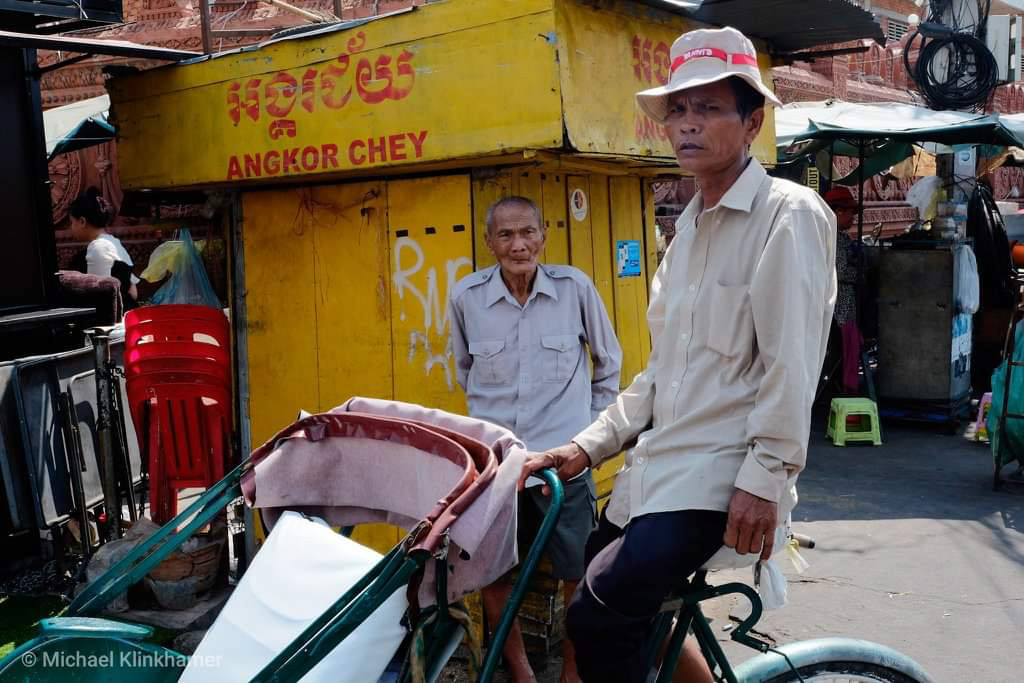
(739, 317)
(525, 367)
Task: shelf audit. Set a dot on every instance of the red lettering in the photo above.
(356, 43)
(329, 155)
(252, 99)
(234, 168)
(662, 63)
(279, 94)
(417, 141)
(290, 158)
(365, 76)
(272, 168)
(310, 158)
(396, 146)
(648, 128)
(252, 165)
(234, 103)
(282, 127)
(645, 61)
(308, 89)
(406, 77)
(382, 78)
(356, 160)
(330, 84)
(375, 149)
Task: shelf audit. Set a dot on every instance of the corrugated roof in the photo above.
(789, 25)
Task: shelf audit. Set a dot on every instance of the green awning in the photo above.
(804, 128)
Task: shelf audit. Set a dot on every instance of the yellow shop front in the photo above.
(361, 161)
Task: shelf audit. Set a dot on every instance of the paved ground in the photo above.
(914, 551)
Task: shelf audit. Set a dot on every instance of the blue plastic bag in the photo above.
(1013, 448)
(189, 283)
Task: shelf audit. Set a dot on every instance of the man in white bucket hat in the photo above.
(739, 317)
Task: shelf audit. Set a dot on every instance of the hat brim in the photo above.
(654, 101)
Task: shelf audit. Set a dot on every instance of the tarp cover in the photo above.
(77, 125)
(1013, 448)
(848, 124)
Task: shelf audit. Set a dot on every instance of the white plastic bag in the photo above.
(924, 196)
(968, 286)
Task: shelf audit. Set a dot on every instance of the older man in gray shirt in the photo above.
(518, 331)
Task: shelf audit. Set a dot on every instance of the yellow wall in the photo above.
(609, 54)
(348, 285)
(452, 80)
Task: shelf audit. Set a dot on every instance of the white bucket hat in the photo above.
(701, 57)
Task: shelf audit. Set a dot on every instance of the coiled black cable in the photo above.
(971, 73)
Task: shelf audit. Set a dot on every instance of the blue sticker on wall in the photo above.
(627, 258)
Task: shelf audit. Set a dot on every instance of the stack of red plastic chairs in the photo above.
(177, 362)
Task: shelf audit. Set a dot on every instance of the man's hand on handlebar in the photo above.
(568, 461)
(751, 525)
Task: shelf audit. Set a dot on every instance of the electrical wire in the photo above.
(954, 68)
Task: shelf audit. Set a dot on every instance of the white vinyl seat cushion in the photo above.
(301, 569)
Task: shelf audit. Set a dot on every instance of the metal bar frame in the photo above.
(508, 615)
(52, 8)
(687, 612)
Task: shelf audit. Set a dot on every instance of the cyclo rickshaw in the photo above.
(315, 605)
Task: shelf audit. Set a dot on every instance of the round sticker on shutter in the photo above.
(578, 204)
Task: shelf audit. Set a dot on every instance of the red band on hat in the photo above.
(700, 52)
(697, 53)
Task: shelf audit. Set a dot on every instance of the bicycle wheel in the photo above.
(845, 672)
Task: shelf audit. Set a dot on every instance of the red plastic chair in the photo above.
(178, 369)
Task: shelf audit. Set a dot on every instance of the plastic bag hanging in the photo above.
(188, 283)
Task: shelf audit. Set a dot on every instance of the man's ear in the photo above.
(753, 125)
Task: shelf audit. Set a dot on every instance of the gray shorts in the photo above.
(568, 540)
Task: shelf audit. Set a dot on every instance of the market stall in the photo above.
(924, 314)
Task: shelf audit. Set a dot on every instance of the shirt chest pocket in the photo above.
(560, 355)
(490, 362)
(731, 322)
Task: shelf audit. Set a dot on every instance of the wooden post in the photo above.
(204, 22)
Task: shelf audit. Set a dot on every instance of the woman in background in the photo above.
(104, 255)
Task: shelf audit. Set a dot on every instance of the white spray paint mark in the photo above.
(435, 312)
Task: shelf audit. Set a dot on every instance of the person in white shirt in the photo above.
(104, 255)
(739, 317)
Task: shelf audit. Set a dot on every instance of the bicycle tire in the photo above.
(852, 671)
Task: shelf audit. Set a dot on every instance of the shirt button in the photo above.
(640, 460)
(675, 385)
(693, 288)
(684, 336)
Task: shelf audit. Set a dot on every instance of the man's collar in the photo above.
(498, 290)
(740, 195)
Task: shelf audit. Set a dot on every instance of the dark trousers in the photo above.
(629, 574)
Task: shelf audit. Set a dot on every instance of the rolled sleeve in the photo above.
(633, 409)
(790, 299)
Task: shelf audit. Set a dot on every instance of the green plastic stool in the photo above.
(867, 429)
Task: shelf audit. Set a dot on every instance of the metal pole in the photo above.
(204, 23)
(105, 434)
(860, 203)
(239, 321)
